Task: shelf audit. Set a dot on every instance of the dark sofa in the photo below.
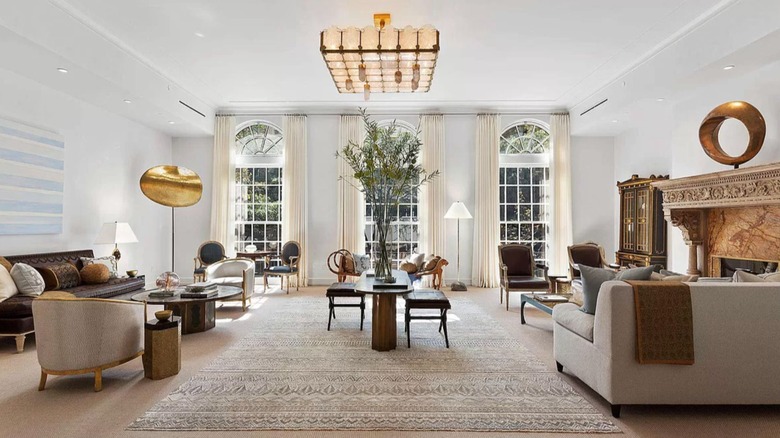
(16, 312)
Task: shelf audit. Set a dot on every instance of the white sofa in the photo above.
(736, 348)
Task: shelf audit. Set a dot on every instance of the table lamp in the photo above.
(116, 233)
(458, 211)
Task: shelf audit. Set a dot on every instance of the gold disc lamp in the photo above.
(172, 186)
(380, 58)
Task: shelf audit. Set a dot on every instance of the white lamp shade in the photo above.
(116, 232)
(457, 210)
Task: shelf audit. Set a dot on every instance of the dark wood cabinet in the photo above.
(642, 224)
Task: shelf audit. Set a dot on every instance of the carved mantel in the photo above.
(686, 201)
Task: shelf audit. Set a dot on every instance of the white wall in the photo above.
(593, 186)
(594, 192)
(105, 156)
(667, 141)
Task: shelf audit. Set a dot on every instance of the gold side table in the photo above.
(162, 348)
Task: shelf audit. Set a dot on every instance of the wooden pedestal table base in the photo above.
(383, 322)
(197, 314)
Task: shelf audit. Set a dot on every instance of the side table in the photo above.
(162, 348)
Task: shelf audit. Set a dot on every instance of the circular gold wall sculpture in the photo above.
(172, 186)
(745, 113)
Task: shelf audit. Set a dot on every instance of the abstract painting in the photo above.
(32, 176)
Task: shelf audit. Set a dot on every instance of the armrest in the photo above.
(249, 280)
(613, 265)
(294, 261)
(545, 270)
(504, 274)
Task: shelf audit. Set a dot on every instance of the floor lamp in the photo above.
(458, 211)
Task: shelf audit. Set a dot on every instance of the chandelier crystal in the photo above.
(380, 59)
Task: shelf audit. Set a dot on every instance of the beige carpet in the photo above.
(290, 373)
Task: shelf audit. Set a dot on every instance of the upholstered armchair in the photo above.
(434, 268)
(208, 253)
(234, 272)
(588, 254)
(519, 271)
(86, 335)
(291, 257)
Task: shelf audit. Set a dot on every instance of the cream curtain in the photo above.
(485, 254)
(223, 189)
(432, 203)
(561, 184)
(294, 196)
(351, 216)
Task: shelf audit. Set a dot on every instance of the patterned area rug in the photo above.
(292, 374)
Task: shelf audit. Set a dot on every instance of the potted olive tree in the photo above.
(386, 167)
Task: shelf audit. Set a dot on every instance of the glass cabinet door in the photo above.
(642, 220)
(629, 212)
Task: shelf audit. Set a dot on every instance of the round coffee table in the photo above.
(197, 314)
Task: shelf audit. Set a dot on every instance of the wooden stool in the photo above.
(162, 348)
(427, 299)
(344, 290)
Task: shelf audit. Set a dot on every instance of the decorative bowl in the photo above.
(132, 273)
(250, 248)
(163, 315)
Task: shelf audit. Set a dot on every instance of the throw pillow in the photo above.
(408, 267)
(5, 263)
(430, 264)
(655, 276)
(27, 279)
(577, 297)
(59, 276)
(593, 278)
(95, 274)
(109, 261)
(747, 277)
(417, 259)
(7, 285)
(362, 263)
(348, 263)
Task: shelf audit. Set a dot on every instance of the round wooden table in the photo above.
(197, 314)
(383, 316)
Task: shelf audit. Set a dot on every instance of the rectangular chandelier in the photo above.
(380, 60)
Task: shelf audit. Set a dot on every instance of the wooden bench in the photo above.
(344, 290)
(427, 299)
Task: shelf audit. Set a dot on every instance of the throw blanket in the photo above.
(664, 322)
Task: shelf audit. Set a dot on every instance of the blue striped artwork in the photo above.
(32, 178)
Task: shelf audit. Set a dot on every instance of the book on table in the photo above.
(204, 294)
(203, 286)
(159, 293)
(552, 298)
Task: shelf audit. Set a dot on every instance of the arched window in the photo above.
(259, 165)
(524, 186)
(405, 227)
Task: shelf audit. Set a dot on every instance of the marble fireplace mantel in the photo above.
(690, 202)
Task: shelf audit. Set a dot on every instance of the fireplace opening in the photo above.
(729, 266)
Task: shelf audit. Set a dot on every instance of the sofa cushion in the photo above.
(568, 315)
(593, 278)
(657, 276)
(228, 281)
(27, 279)
(431, 264)
(524, 281)
(7, 286)
(747, 277)
(18, 306)
(58, 276)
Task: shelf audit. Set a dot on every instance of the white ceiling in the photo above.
(522, 55)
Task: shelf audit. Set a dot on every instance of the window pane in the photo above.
(273, 176)
(511, 195)
(525, 231)
(513, 232)
(511, 175)
(525, 175)
(539, 177)
(525, 213)
(511, 213)
(539, 232)
(525, 194)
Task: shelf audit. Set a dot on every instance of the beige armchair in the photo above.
(86, 335)
(237, 272)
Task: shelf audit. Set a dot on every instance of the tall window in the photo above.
(405, 227)
(259, 162)
(524, 187)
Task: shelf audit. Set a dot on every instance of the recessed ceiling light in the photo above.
(660, 99)
(128, 101)
(62, 70)
(200, 35)
(729, 67)
(171, 122)
(615, 121)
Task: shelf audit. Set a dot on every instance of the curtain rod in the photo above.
(396, 113)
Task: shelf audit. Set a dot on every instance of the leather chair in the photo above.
(208, 253)
(519, 269)
(86, 335)
(291, 257)
(588, 254)
(234, 272)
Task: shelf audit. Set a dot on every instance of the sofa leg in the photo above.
(559, 366)
(20, 343)
(616, 410)
(42, 384)
(98, 380)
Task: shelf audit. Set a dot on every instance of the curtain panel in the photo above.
(486, 219)
(561, 185)
(432, 195)
(294, 196)
(350, 204)
(223, 187)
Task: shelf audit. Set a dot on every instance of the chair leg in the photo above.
(20, 343)
(408, 328)
(330, 311)
(444, 324)
(265, 283)
(362, 311)
(441, 319)
(42, 384)
(501, 295)
(288, 284)
(507, 299)
(98, 380)
(297, 281)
